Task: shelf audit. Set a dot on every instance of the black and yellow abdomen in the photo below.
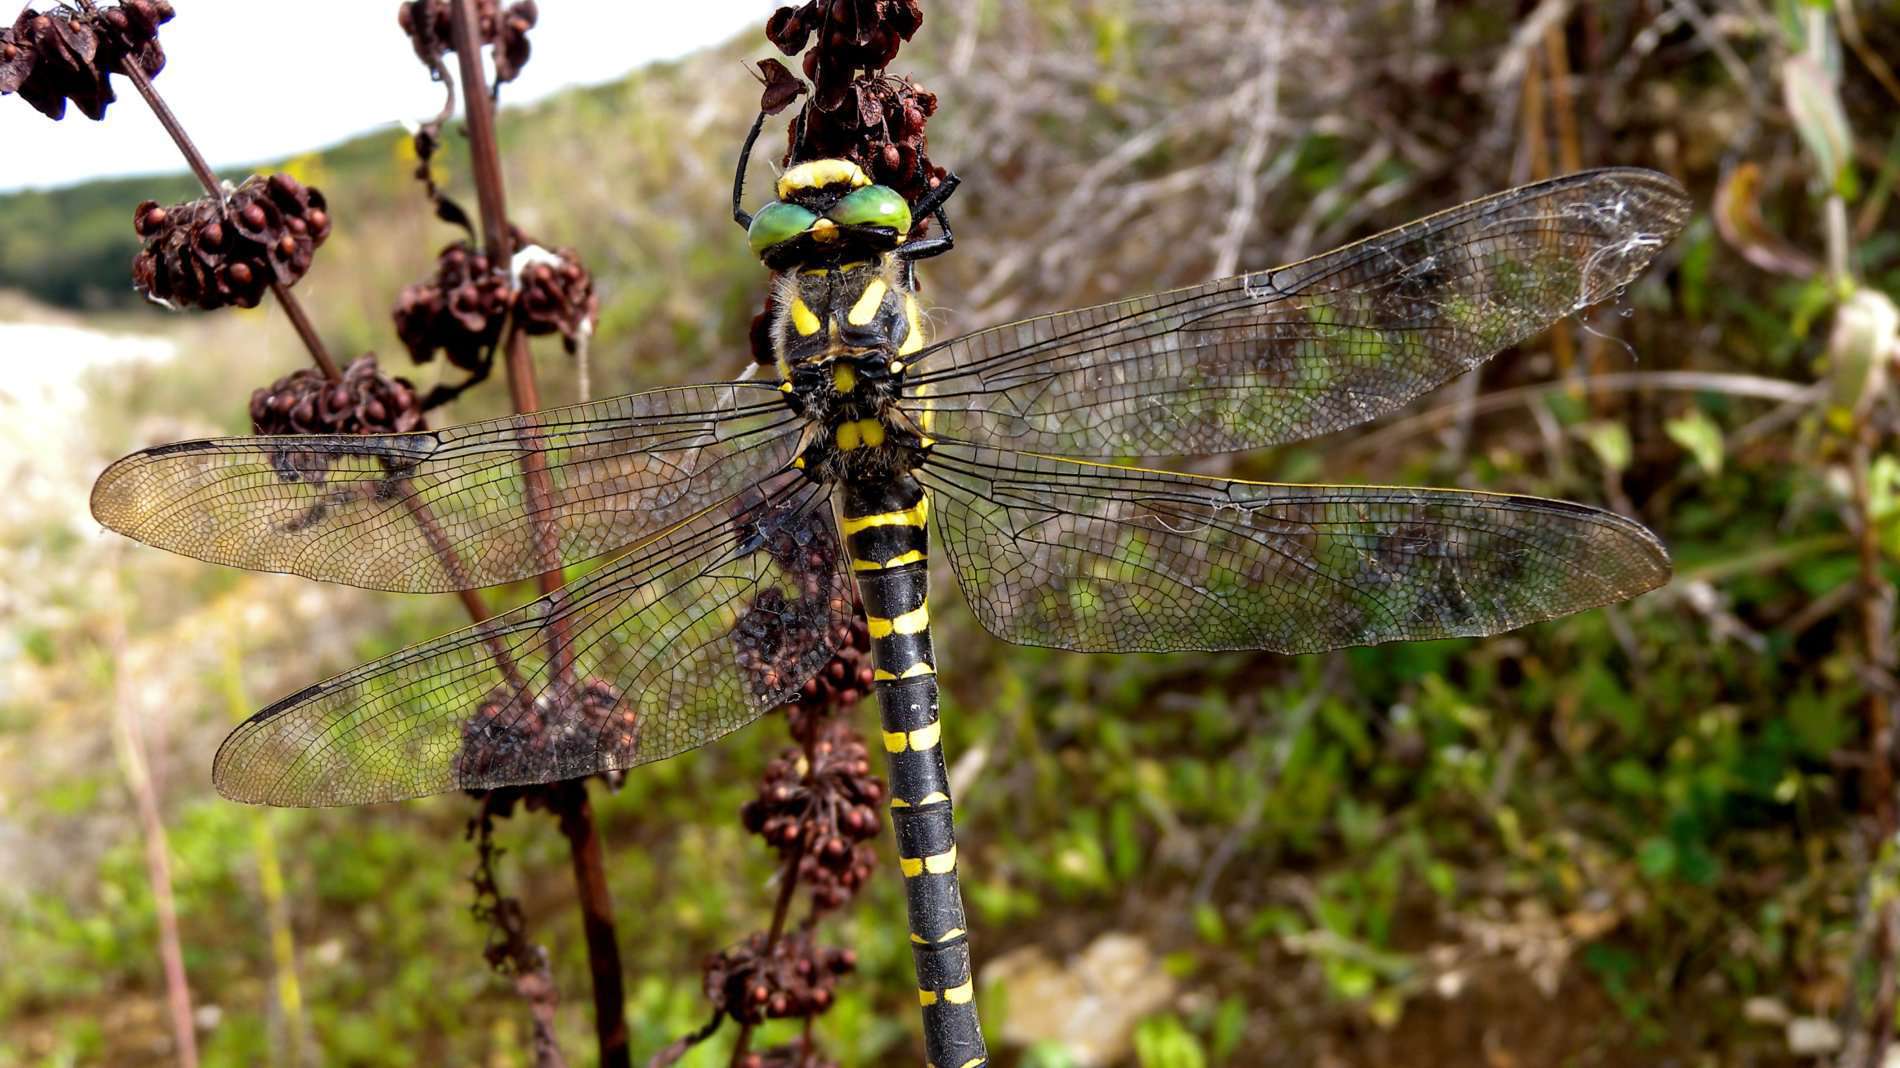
(884, 522)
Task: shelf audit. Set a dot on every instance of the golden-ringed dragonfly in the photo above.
(740, 521)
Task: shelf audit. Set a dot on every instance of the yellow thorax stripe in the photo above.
(803, 320)
(914, 340)
(911, 622)
(913, 516)
(866, 308)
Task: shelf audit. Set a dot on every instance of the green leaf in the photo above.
(1700, 435)
(1609, 440)
(1209, 925)
(1814, 103)
(1657, 857)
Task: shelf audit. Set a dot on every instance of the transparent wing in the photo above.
(680, 641)
(1099, 558)
(1317, 346)
(447, 509)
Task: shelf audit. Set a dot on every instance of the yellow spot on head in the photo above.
(824, 230)
(803, 320)
(844, 377)
(848, 436)
(868, 303)
(819, 173)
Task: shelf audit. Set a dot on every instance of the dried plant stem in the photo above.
(293, 309)
(300, 321)
(576, 814)
(498, 239)
(571, 803)
(787, 887)
(1876, 615)
(196, 161)
(1876, 596)
(131, 748)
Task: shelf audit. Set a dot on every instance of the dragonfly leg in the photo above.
(886, 538)
(932, 204)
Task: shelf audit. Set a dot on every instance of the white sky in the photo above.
(344, 68)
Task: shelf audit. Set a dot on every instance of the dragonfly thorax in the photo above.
(857, 428)
(826, 310)
(842, 333)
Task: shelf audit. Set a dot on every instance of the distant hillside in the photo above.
(73, 247)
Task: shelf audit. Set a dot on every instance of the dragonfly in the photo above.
(740, 525)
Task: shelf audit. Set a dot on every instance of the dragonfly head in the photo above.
(828, 209)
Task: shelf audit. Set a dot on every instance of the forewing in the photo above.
(1317, 346)
(680, 641)
(1099, 558)
(448, 509)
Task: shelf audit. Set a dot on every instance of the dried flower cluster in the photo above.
(795, 977)
(365, 401)
(857, 112)
(211, 253)
(506, 734)
(459, 312)
(67, 54)
(427, 24)
(557, 297)
(842, 683)
(819, 801)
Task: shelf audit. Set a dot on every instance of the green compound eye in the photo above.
(873, 205)
(777, 223)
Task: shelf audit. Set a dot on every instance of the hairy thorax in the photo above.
(842, 333)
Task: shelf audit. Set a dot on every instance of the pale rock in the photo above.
(1090, 1006)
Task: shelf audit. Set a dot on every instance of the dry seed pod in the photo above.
(68, 54)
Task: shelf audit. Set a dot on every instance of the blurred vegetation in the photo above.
(1635, 836)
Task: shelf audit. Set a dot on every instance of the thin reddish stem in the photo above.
(570, 800)
(787, 887)
(498, 242)
(597, 919)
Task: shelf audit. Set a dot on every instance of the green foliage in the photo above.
(1656, 798)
